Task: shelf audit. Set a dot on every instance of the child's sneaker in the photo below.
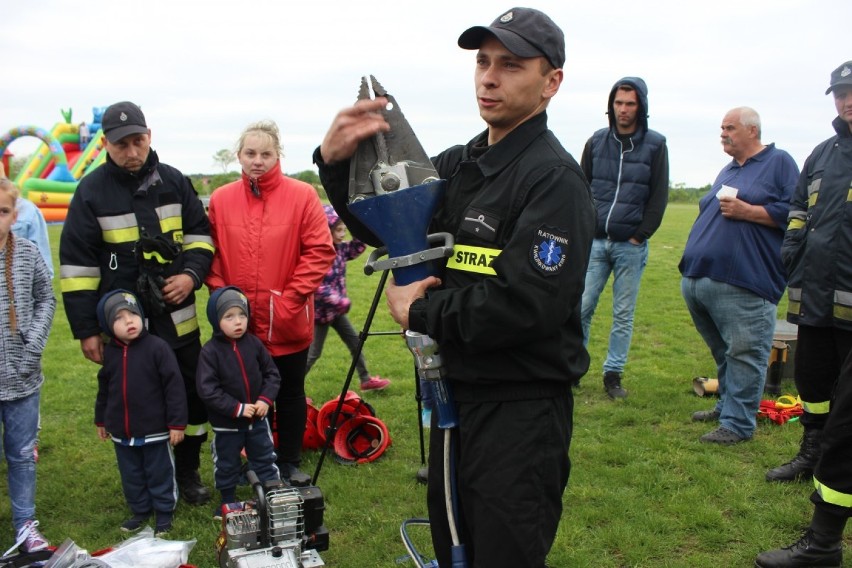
(164, 523)
(135, 522)
(376, 383)
(30, 539)
(217, 512)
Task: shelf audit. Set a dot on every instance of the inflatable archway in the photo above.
(53, 147)
(51, 175)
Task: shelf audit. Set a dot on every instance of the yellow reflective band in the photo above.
(171, 219)
(119, 228)
(171, 224)
(816, 407)
(795, 224)
(198, 244)
(186, 327)
(473, 259)
(842, 312)
(794, 308)
(185, 320)
(829, 495)
(79, 284)
(154, 255)
(122, 235)
(812, 199)
(849, 195)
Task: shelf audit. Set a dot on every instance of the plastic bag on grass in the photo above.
(144, 550)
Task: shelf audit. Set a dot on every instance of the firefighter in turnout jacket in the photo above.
(137, 224)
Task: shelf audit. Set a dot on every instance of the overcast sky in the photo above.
(203, 70)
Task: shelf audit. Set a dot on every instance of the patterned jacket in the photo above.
(20, 374)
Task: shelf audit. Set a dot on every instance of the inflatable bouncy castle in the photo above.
(68, 152)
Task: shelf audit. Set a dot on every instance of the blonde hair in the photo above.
(266, 128)
(9, 188)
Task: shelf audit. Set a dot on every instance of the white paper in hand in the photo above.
(726, 191)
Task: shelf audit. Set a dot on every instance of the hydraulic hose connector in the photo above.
(427, 360)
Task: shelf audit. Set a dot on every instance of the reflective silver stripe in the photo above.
(187, 239)
(171, 220)
(171, 210)
(185, 320)
(119, 228)
(794, 294)
(71, 271)
(843, 305)
(800, 215)
(813, 187)
(117, 222)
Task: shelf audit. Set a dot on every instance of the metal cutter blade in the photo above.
(390, 160)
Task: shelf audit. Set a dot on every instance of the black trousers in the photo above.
(188, 452)
(833, 473)
(820, 353)
(291, 410)
(512, 465)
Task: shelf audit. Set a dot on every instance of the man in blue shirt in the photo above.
(732, 271)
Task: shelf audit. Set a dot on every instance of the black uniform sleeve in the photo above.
(80, 246)
(335, 181)
(796, 234)
(198, 244)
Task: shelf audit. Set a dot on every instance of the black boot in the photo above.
(801, 467)
(187, 461)
(291, 473)
(821, 546)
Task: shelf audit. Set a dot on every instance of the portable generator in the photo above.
(281, 528)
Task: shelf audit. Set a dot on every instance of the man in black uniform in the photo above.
(137, 224)
(817, 252)
(509, 330)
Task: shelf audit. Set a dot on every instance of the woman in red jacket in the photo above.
(272, 241)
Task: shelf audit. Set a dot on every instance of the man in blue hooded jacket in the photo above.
(627, 166)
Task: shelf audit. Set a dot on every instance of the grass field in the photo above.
(643, 491)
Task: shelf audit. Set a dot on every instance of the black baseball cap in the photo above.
(840, 76)
(123, 119)
(526, 32)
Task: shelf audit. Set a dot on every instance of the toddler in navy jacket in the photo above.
(238, 382)
(141, 406)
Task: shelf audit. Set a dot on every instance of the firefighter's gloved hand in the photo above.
(150, 288)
